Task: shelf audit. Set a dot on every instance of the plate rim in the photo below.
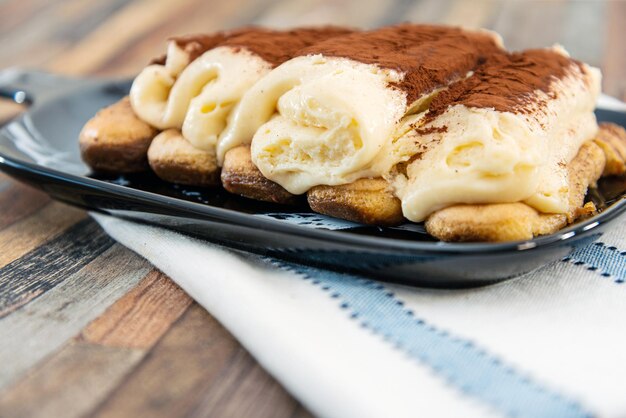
(47, 91)
(248, 220)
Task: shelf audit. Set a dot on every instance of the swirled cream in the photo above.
(505, 134)
(311, 130)
(151, 90)
(325, 116)
(197, 95)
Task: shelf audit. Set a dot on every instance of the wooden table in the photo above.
(88, 328)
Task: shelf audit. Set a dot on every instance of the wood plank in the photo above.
(469, 14)
(428, 11)
(615, 57)
(18, 13)
(584, 30)
(189, 358)
(18, 201)
(525, 27)
(142, 316)
(69, 385)
(9, 110)
(286, 14)
(5, 183)
(244, 389)
(77, 378)
(169, 382)
(199, 17)
(27, 234)
(47, 34)
(45, 267)
(112, 35)
(48, 322)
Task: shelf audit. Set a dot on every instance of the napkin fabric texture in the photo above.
(548, 344)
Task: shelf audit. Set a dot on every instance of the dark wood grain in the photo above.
(243, 389)
(170, 381)
(87, 327)
(41, 327)
(48, 265)
(59, 388)
(34, 230)
(614, 63)
(107, 350)
(141, 317)
(17, 201)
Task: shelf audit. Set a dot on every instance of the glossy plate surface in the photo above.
(40, 147)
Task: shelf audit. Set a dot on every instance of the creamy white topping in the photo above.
(486, 156)
(316, 120)
(199, 99)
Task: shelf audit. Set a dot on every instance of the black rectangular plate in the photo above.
(40, 148)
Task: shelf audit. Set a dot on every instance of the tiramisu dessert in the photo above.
(423, 123)
(179, 104)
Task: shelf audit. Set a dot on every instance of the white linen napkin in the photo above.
(548, 344)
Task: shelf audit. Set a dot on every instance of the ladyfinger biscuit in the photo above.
(367, 201)
(240, 176)
(116, 140)
(612, 139)
(174, 159)
(518, 221)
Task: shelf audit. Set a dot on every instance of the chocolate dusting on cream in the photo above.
(276, 47)
(273, 46)
(431, 130)
(196, 44)
(429, 56)
(508, 83)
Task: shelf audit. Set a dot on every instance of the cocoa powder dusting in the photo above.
(277, 47)
(273, 46)
(197, 44)
(507, 82)
(431, 130)
(430, 56)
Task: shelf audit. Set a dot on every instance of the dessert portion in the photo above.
(423, 123)
(322, 118)
(199, 101)
(505, 134)
(519, 220)
(514, 138)
(116, 139)
(605, 155)
(195, 86)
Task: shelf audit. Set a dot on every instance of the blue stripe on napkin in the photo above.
(460, 362)
(608, 261)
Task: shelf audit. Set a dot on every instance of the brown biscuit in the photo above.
(612, 139)
(518, 221)
(116, 140)
(175, 160)
(367, 201)
(370, 201)
(240, 176)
